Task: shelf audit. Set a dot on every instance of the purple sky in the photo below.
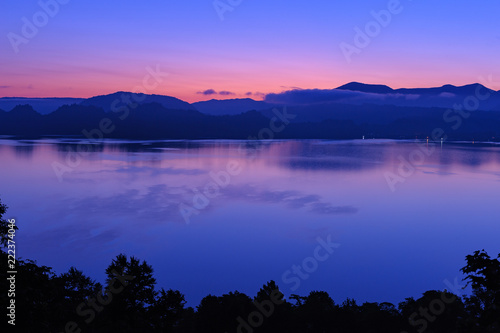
(86, 48)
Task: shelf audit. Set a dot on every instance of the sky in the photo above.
(196, 49)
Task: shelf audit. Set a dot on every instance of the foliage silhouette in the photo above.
(4, 226)
(483, 274)
(129, 302)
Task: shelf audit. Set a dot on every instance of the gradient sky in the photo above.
(98, 47)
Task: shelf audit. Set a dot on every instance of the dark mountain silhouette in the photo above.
(474, 95)
(351, 111)
(41, 105)
(71, 120)
(146, 121)
(366, 113)
(469, 89)
(466, 90)
(22, 120)
(230, 106)
(350, 94)
(367, 88)
(121, 98)
(154, 121)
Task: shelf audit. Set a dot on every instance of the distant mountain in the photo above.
(106, 102)
(146, 121)
(41, 105)
(367, 88)
(469, 89)
(21, 120)
(476, 95)
(350, 111)
(353, 93)
(325, 121)
(359, 114)
(231, 106)
(121, 98)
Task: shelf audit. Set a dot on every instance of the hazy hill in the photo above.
(121, 98)
(367, 88)
(350, 96)
(41, 105)
(230, 106)
(469, 89)
(153, 121)
(21, 120)
(469, 96)
(350, 111)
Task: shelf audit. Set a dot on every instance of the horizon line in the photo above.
(230, 97)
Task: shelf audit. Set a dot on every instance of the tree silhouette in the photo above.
(483, 274)
(4, 226)
(78, 287)
(436, 311)
(319, 312)
(299, 300)
(39, 298)
(129, 293)
(168, 311)
(46, 302)
(223, 313)
(276, 311)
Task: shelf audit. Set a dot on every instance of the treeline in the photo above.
(129, 301)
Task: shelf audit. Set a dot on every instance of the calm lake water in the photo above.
(402, 215)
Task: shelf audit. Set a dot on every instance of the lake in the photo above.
(373, 220)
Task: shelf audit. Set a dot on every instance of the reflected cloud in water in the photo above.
(125, 197)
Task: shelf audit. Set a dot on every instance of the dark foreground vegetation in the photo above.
(130, 302)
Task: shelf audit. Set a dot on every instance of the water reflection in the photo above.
(120, 196)
(301, 154)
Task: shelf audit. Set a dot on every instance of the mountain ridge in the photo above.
(153, 121)
(352, 93)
